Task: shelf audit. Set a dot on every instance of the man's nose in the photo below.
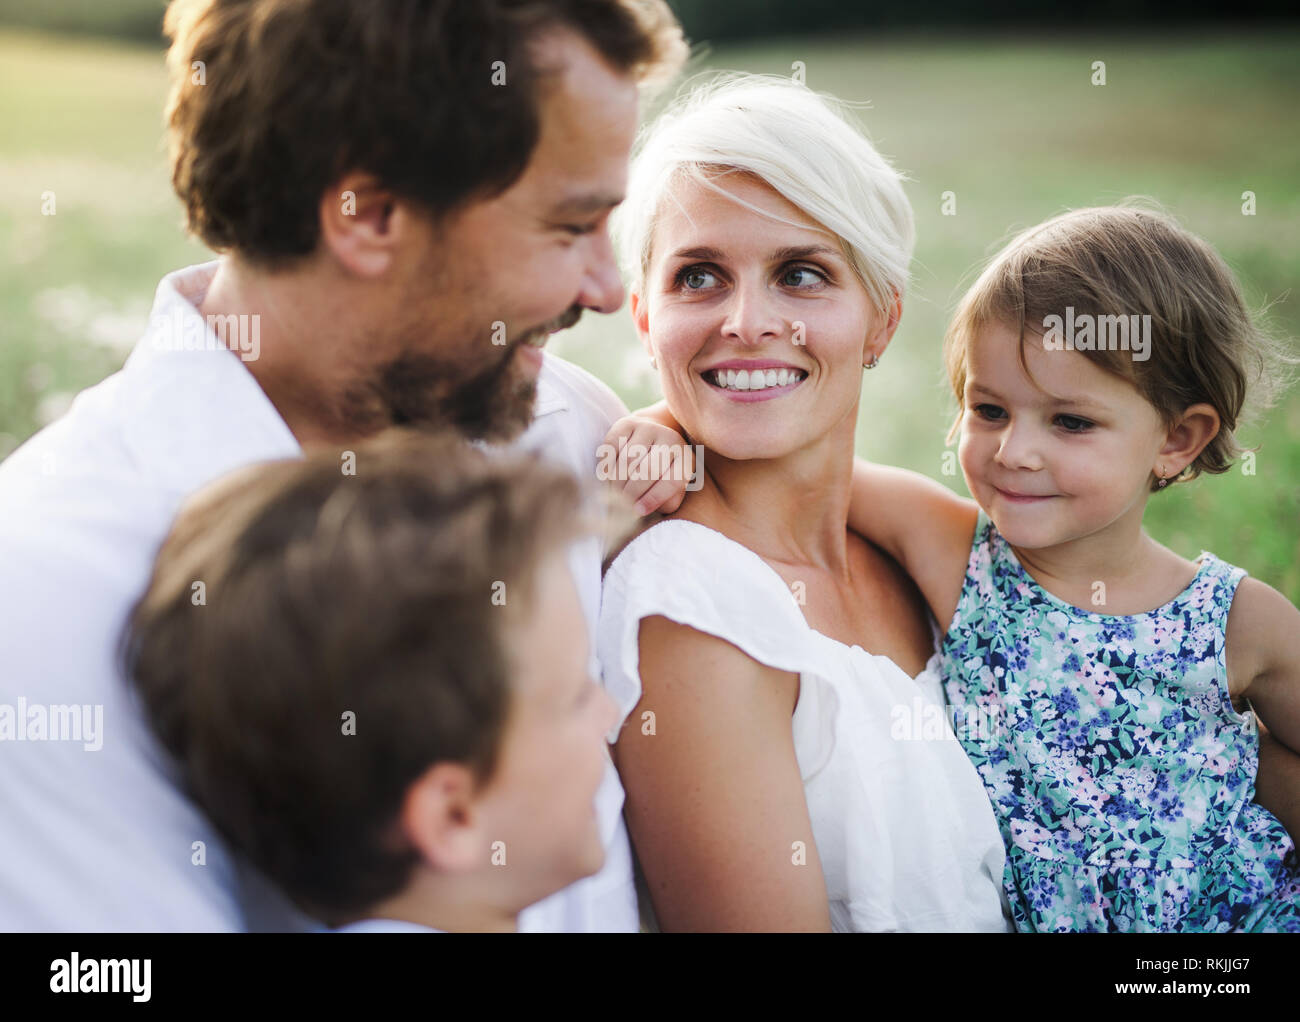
(602, 287)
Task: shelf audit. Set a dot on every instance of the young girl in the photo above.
(1105, 687)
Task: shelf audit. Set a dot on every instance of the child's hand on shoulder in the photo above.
(648, 461)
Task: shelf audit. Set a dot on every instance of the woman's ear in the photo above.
(1186, 439)
(363, 225)
(878, 340)
(640, 319)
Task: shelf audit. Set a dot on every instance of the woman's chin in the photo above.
(746, 449)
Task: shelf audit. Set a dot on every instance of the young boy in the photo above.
(375, 684)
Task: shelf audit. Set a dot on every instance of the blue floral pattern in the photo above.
(1121, 774)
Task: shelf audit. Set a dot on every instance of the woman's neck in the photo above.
(792, 509)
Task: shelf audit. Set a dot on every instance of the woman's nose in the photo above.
(751, 316)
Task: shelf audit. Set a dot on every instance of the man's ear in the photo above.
(440, 817)
(878, 340)
(363, 224)
(1187, 437)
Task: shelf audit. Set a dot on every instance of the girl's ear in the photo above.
(1187, 437)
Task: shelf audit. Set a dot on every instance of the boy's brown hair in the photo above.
(331, 600)
(273, 101)
(1126, 261)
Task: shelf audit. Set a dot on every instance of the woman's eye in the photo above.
(1073, 424)
(792, 277)
(991, 412)
(694, 278)
(578, 230)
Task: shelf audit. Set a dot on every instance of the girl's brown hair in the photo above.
(1124, 261)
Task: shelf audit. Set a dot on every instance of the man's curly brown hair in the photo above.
(273, 101)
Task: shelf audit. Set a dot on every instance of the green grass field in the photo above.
(1014, 128)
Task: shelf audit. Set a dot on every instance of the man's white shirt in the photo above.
(101, 838)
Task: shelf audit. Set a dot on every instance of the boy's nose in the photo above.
(609, 712)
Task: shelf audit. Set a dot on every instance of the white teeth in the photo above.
(758, 379)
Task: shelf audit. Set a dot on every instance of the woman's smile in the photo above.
(754, 380)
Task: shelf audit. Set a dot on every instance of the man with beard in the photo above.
(409, 197)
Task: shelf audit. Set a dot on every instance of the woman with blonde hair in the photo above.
(768, 662)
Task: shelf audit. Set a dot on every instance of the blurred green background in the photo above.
(1011, 125)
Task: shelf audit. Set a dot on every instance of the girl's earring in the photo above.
(875, 361)
(653, 363)
(1163, 481)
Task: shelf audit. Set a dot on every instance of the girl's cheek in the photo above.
(967, 452)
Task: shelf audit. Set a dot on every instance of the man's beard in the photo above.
(425, 392)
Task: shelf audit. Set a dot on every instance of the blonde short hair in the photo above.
(801, 144)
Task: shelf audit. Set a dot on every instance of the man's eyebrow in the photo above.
(580, 205)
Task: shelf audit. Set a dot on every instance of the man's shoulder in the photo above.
(78, 468)
(573, 413)
(563, 382)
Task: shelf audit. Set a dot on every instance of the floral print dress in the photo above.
(1121, 774)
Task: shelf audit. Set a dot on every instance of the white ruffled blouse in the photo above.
(904, 829)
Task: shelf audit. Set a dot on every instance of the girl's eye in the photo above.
(809, 275)
(1073, 424)
(991, 412)
(695, 278)
(578, 230)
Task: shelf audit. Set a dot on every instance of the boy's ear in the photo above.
(1187, 437)
(440, 818)
(363, 224)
